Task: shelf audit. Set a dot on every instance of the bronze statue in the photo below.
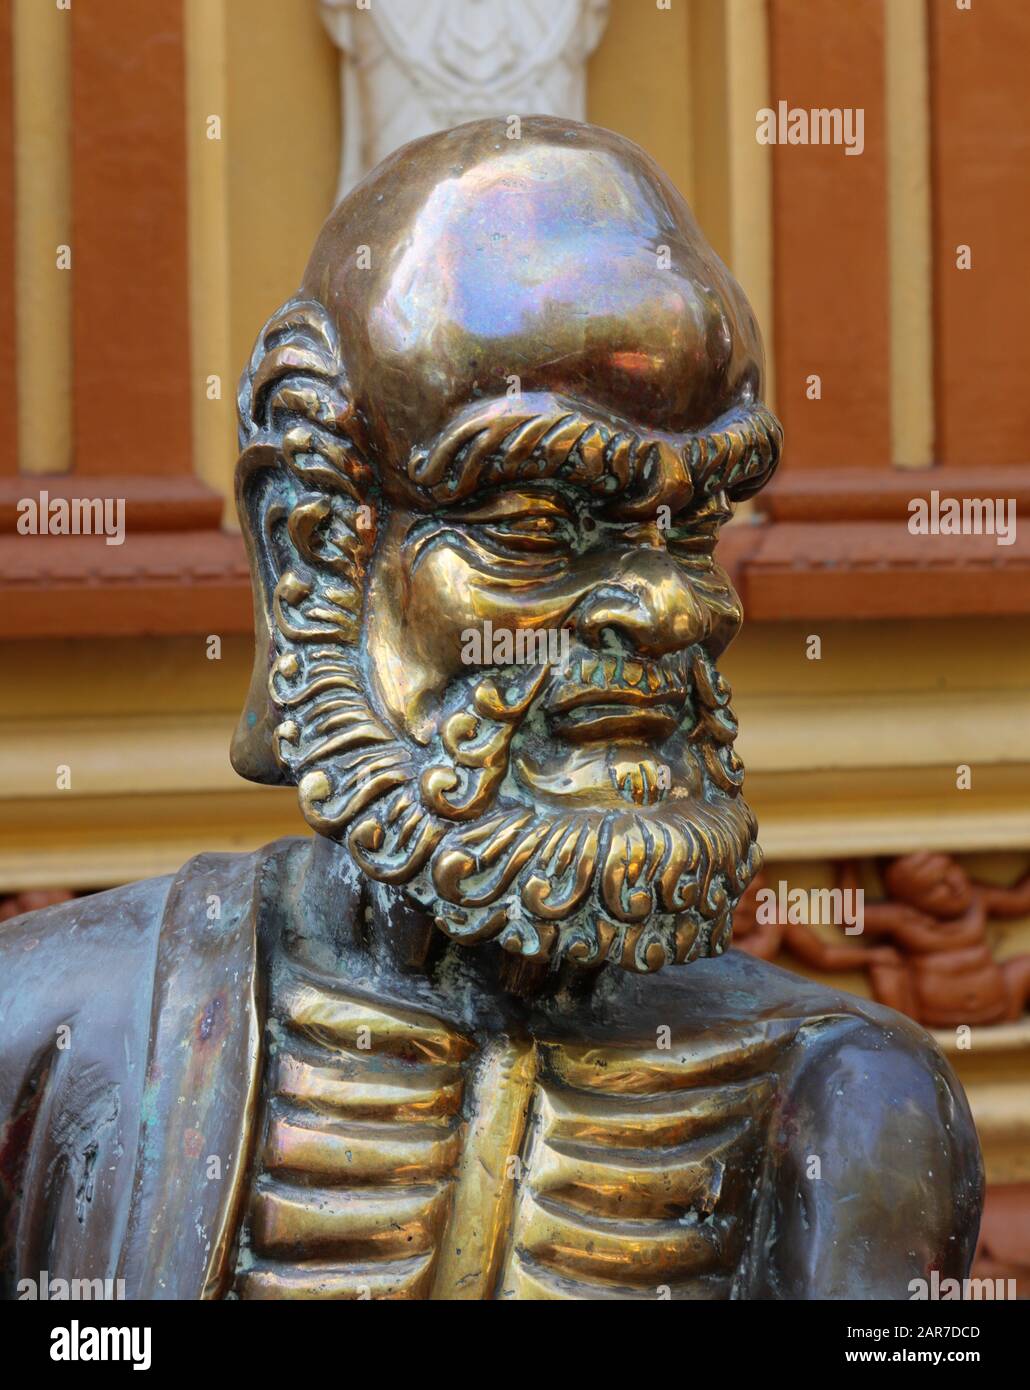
(478, 1037)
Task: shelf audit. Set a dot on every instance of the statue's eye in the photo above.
(692, 535)
(544, 534)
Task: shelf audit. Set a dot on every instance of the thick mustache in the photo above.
(614, 679)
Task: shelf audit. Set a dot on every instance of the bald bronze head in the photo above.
(564, 258)
(486, 453)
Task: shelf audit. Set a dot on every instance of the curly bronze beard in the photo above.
(641, 886)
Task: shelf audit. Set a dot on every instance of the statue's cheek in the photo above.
(455, 587)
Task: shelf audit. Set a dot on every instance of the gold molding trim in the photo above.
(42, 118)
(910, 235)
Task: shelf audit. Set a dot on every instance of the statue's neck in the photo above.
(346, 920)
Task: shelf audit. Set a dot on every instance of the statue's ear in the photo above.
(300, 480)
(260, 504)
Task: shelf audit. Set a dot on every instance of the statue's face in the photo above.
(549, 663)
(573, 795)
(490, 448)
(614, 607)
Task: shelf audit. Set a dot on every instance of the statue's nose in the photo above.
(653, 608)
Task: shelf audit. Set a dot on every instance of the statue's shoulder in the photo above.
(731, 990)
(105, 945)
(76, 981)
(46, 954)
(829, 1051)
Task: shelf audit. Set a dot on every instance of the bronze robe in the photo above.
(142, 1116)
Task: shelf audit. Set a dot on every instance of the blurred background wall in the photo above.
(164, 169)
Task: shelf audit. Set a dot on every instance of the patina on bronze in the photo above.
(478, 1038)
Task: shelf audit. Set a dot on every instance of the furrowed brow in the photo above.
(549, 437)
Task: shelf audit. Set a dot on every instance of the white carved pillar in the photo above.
(409, 67)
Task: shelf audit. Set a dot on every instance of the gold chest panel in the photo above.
(401, 1159)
